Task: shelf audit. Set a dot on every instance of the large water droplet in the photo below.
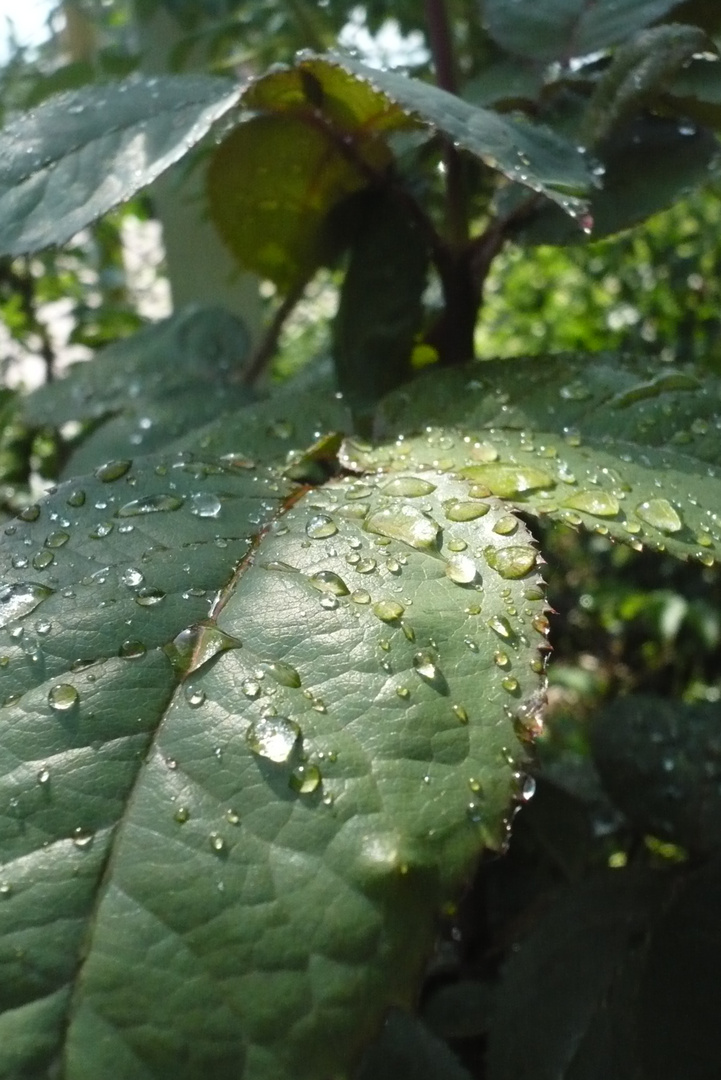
(598, 503)
(112, 470)
(132, 577)
(205, 505)
(511, 562)
(320, 527)
(57, 539)
(509, 480)
(500, 625)
(274, 738)
(461, 569)
(660, 514)
(305, 779)
(410, 487)
(20, 598)
(151, 504)
(506, 525)
(196, 645)
(465, 509)
(388, 610)
(405, 523)
(328, 581)
(62, 697)
(283, 673)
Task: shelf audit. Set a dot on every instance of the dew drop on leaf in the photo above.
(461, 569)
(76, 498)
(426, 665)
(251, 688)
(149, 597)
(57, 539)
(20, 598)
(465, 510)
(196, 645)
(132, 649)
(360, 596)
(112, 470)
(43, 560)
(500, 625)
(388, 610)
(151, 504)
(320, 527)
(328, 581)
(405, 523)
(305, 779)
(511, 562)
(510, 684)
(194, 696)
(509, 480)
(461, 713)
(205, 505)
(274, 738)
(30, 513)
(597, 503)
(282, 673)
(660, 515)
(62, 697)
(217, 843)
(410, 487)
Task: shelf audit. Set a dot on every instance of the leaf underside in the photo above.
(253, 736)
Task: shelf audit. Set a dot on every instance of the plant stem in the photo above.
(268, 345)
(440, 39)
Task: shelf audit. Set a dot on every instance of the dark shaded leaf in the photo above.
(407, 1050)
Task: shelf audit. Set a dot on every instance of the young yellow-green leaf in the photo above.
(145, 391)
(250, 744)
(81, 153)
(561, 29)
(621, 447)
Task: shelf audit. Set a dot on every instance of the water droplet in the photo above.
(251, 688)
(43, 776)
(408, 631)
(101, 530)
(465, 510)
(274, 738)
(388, 610)
(509, 480)
(62, 697)
(426, 665)
(132, 577)
(500, 625)
(181, 815)
(461, 569)
(660, 515)
(506, 525)
(528, 788)
(232, 817)
(30, 513)
(575, 391)
(403, 692)
(283, 673)
(511, 562)
(405, 523)
(541, 624)
(305, 779)
(149, 597)
(194, 696)
(320, 527)
(360, 596)
(82, 838)
(20, 598)
(217, 843)
(456, 545)
(329, 582)
(366, 566)
(461, 713)
(151, 504)
(76, 498)
(57, 539)
(112, 470)
(410, 487)
(43, 560)
(196, 645)
(510, 684)
(132, 649)
(501, 659)
(205, 505)
(598, 503)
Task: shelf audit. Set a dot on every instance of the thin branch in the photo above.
(268, 346)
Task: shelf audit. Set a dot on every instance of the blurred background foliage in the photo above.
(626, 622)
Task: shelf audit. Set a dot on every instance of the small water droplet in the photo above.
(274, 738)
(251, 688)
(510, 684)
(151, 504)
(132, 649)
(403, 692)
(461, 713)
(112, 470)
(57, 539)
(461, 569)
(76, 498)
(509, 480)
(43, 776)
(366, 566)
(410, 487)
(282, 673)
(360, 596)
(598, 503)
(30, 513)
(132, 577)
(511, 562)
(194, 696)
(198, 644)
(329, 582)
(82, 838)
(465, 510)
(181, 815)
(320, 527)
(62, 697)
(305, 779)
(217, 843)
(205, 505)
(426, 665)
(501, 659)
(149, 597)
(405, 523)
(500, 625)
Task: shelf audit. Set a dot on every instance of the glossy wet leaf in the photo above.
(617, 446)
(146, 391)
(233, 801)
(80, 153)
(554, 31)
(660, 761)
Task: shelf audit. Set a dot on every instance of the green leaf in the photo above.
(145, 391)
(81, 153)
(407, 1050)
(315, 139)
(619, 446)
(529, 154)
(648, 164)
(659, 761)
(245, 760)
(565, 1006)
(638, 70)
(380, 311)
(560, 29)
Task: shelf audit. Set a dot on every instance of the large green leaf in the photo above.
(250, 743)
(81, 153)
(561, 29)
(623, 447)
(147, 390)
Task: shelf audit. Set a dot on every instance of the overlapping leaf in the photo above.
(622, 447)
(83, 152)
(249, 744)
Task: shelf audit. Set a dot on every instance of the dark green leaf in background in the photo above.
(81, 153)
